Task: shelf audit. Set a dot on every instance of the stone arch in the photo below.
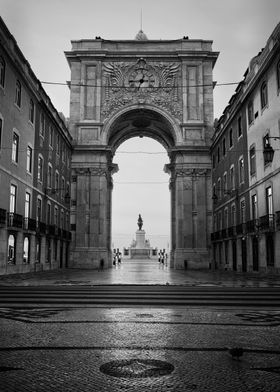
(141, 120)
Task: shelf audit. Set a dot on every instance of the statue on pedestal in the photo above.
(140, 222)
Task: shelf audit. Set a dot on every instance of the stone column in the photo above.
(93, 214)
(190, 221)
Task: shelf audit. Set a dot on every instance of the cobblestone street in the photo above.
(138, 348)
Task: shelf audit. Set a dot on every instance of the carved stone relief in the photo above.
(142, 82)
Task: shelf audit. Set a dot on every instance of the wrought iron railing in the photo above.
(15, 220)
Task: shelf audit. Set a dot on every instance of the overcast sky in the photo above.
(44, 29)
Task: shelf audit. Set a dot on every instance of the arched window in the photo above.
(11, 249)
(26, 250)
(2, 71)
(263, 95)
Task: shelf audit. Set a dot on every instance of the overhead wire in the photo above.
(136, 87)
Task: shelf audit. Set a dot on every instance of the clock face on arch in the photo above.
(141, 79)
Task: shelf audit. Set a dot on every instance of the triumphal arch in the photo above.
(161, 89)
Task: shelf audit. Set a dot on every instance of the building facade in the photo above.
(35, 156)
(246, 169)
(161, 89)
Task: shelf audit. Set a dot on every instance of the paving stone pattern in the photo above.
(67, 350)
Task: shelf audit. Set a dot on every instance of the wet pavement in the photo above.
(148, 272)
(144, 348)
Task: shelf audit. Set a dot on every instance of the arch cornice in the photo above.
(173, 125)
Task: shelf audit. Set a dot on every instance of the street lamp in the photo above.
(268, 152)
(53, 191)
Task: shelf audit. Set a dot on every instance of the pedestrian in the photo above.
(102, 264)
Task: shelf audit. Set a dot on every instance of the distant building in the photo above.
(246, 175)
(35, 156)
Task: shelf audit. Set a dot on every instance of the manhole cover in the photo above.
(137, 368)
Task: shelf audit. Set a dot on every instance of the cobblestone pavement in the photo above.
(142, 349)
(141, 272)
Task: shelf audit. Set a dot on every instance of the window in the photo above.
(62, 219)
(58, 145)
(250, 111)
(48, 214)
(26, 246)
(218, 154)
(219, 189)
(39, 210)
(29, 159)
(265, 144)
(268, 200)
(241, 170)
(31, 111)
(42, 124)
(40, 168)
(13, 198)
(38, 249)
(11, 249)
(254, 206)
(224, 146)
(220, 220)
(49, 181)
(231, 177)
(27, 205)
(252, 160)
(2, 72)
(225, 187)
(1, 130)
(278, 74)
(233, 215)
(18, 94)
(226, 218)
(264, 100)
(15, 147)
(239, 127)
(63, 191)
(56, 216)
(51, 136)
(230, 138)
(242, 211)
(56, 180)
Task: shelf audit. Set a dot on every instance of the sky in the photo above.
(44, 30)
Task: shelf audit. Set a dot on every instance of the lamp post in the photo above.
(268, 151)
(53, 191)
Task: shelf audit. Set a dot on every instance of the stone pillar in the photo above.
(93, 214)
(190, 221)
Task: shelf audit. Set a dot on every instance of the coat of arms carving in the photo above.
(141, 82)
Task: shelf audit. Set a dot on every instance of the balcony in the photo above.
(241, 228)
(29, 224)
(231, 231)
(52, 229)
(252, 226)
(277, 220)
(266, 222)
(3, 217)
(215, 236)
(15, 220)
(224, 233)
(41, 227)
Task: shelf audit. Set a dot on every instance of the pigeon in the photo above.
(236, 352)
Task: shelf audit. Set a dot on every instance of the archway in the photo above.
(188, 191)
(160, 89)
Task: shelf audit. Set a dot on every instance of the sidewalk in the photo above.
(148, 272)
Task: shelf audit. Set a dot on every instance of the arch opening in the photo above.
(141, 122)
(141, 187)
